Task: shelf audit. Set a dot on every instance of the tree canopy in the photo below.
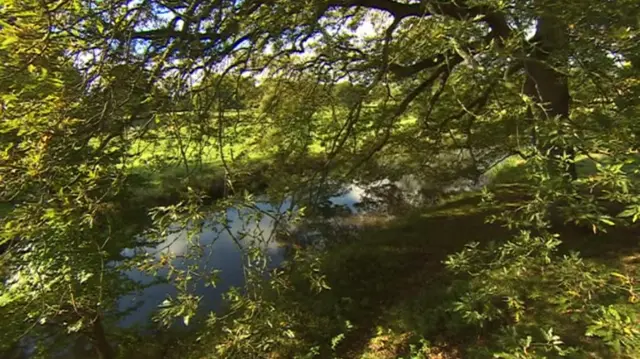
(285, 97)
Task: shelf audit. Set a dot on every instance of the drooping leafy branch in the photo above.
(85, 84)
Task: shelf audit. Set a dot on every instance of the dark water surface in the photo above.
(221, 252)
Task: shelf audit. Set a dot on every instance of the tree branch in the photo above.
(407, 71)
(456, 9)
(396, 9)
(444, 70)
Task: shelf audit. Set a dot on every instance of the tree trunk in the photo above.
(548, 86)
(99, 340)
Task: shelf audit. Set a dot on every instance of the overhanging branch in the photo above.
(444, 70)
(457, 9)
(407, 71)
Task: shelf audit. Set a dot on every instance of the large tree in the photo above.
(457, 84)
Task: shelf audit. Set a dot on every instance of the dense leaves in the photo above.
(104, 104)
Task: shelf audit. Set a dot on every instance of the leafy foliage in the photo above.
(126, 122)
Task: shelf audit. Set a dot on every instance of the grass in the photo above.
(390, 280)
(165, 156)
(512, 169)
(169, 183)
(165, 164)
(393, 267)
(5, 208)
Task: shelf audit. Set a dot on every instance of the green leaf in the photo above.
(6, 299)
(8, 41)
(607, 221)
(75, 327)
(83, 277)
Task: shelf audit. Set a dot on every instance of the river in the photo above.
(221, 253)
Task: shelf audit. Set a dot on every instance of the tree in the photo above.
(474, 80)
(61, 142)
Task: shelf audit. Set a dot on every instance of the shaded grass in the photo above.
(165, 164)
(390, 266)
(168, 184)
(390, 281)
(5, 208)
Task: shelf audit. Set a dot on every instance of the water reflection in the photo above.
(221, 252)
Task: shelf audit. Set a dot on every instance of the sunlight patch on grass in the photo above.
(510, 170)
(464, 210)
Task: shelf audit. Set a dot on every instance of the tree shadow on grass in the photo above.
(392, 263)
(393, 275)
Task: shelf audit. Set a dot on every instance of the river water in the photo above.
(221, 252)
(225, 254)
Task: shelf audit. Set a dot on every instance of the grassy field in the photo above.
(164, 164)
(166, 158)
